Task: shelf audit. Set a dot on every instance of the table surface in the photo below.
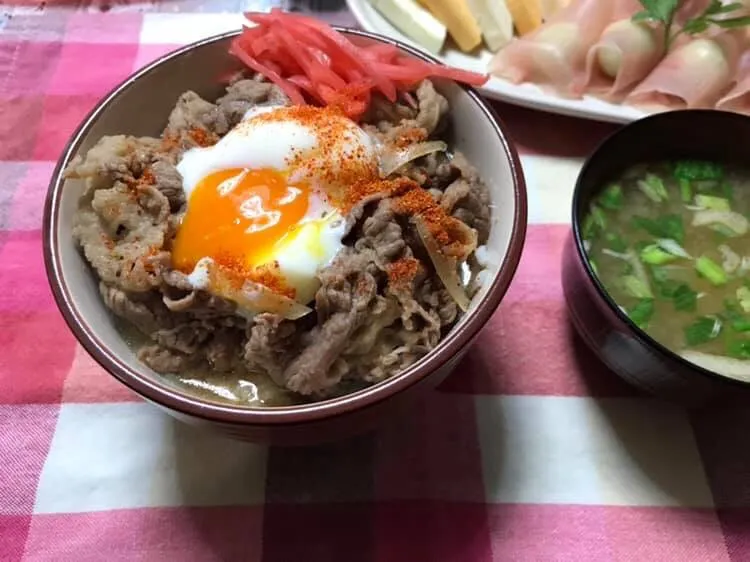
(532, 450)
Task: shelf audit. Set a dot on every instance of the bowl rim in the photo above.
(166, 396)
(599, 152)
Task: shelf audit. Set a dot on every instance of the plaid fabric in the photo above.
(531, 451)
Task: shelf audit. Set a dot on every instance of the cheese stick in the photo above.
(527, 14)
(414, 21)
(494, 20)
(457, 17)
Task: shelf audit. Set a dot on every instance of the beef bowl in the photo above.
(656, 272)
(215, 247)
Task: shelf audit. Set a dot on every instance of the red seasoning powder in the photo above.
(268, 275)
(403, 271)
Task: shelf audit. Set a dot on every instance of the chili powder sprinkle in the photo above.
(402, 271)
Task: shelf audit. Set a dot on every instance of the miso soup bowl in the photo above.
(619, 343)
(140, 106)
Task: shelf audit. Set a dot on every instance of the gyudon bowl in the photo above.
(354, 311)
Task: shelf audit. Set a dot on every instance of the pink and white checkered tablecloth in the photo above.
(531, 451)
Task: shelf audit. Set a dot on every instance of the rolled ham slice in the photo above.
(628, 51)
(554, 56)
(738, 98)
(624, 55)
(693, 75)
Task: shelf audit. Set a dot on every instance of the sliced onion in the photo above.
(727, 366)
(731, 258)
(638, 269)
(672, 247)
(393, 159)
(445, 266)
(262, 299)
(616, 255)
(181, 304)
(255, 298)
(736, 222)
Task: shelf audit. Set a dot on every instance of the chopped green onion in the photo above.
(654, 255)
(594, 222)
(686, 190)
(611, 198)
(743, 297)
(741, 325)
(653, 188)
(684, 298)
(711, 270)
(698, 170)
(667, 226)
(615, 242)
(636, 288)
(723, 231)
(641, 312)
(667, 288)
(704, 329)
(712, 202)
(739, 349)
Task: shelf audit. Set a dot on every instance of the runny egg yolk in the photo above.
(236, 217)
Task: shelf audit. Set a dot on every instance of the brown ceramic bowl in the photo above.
(626, 349)
(140, 106)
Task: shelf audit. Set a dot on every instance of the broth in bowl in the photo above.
(669, 243)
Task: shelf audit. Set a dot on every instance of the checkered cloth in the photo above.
(532, 450)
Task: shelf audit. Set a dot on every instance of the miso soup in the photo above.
(670, 243)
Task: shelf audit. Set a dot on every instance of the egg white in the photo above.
(262, 144)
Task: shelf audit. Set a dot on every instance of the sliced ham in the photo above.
(689, 9)
(624, 55)
(628, 51)
(554, 56)
(693, 75)
(738, 98)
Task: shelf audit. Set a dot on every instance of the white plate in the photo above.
(526, 95)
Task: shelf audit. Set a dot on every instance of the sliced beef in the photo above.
(193, 112)
(187, 338)
(384, 115)
(224, 351)
(169, 182)
(271, 343)
(385, 121)
(433, 172)
(114, 158)
(468, 198)
(310, 373)
(245, 94)
(140, 314)
(166, 361)
(432, 107)
(122, 232)
(382, 233)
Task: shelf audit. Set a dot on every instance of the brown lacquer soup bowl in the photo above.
(702, 135)
(140, 106)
